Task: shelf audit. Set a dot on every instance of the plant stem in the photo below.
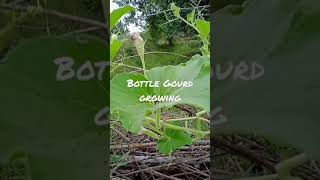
(180, 119)
(198, 121)
(198, 124)
(151, 133)
(189, 24)
(197, 132)
(170, 126)
(205, 41)
(186, 124)
(157, 131)
(144, 67)
(186, 119)
(158, 117)
(201, 113)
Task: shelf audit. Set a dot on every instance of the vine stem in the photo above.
(197, 132)
(158, 118)
(198, 121)
(186, 119)
(179, 128)
(201, 113)
(198, 124)
(144, 67)
(205, 41)
(150, 133)
(157, 130)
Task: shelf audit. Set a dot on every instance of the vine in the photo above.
(146, 117)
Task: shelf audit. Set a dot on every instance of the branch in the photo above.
(154, 52)
(55, 13)
(163, 175)
(152, 144)
(132, 146)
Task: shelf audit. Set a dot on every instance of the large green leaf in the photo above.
(196, 70)
(51, 121)
(283, 104)
(177, 140)
(118, 13)
(125, 101)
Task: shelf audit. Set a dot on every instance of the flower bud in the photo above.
(138, 43)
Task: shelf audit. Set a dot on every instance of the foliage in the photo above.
(158, 24)
(115, 16)
(126, 100)
(48, 120)
(281, 105)
(200, 25)
(145, 117)
(176, 140)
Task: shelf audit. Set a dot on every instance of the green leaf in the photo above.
(177, 140)
(118, 13)
(203, 27)
(52, 121)
(190, 16)
(197, 70)
(115, 45)
(176, 10)
(125, 100)
(282, 105)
